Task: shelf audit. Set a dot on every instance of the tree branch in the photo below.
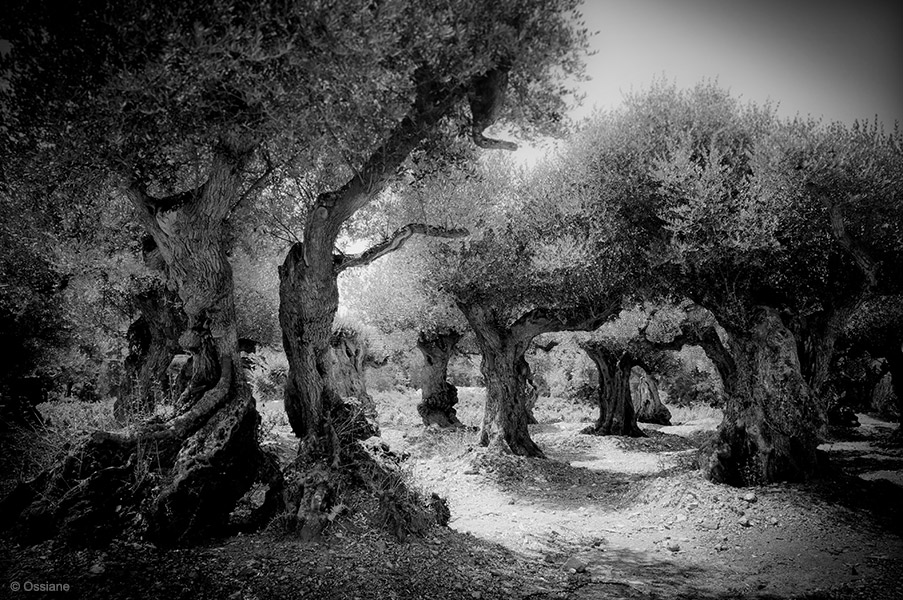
(860, 254)
(544, 320)
(396, 241)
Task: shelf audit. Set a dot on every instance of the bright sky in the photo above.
(839, 59)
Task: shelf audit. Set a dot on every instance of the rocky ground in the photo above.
(601, 518)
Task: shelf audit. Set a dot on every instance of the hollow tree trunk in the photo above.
(616, 414)
(647, 404)
(153, 342)
(770, 426)
(175, 482)
(438, 396)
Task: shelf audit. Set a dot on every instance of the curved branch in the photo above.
(544, 320)
(860, 254)
(398, 239)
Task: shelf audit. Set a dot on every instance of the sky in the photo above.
(840, 60)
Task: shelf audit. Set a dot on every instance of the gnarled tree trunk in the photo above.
(505, 418)
(616, 414)
(349, 351)
(647, 404)
(771, 421)
(177, 481)
(153, 343)
(503, 346)
(438, 396)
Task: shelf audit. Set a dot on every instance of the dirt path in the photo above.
(642, 521)
(601, 518)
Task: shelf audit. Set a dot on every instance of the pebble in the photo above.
(672, 546)
(97, 568)
(749, 497)
(744, 521)
(575, 564)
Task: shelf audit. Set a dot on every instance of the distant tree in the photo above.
(538, 264)
(393, 297)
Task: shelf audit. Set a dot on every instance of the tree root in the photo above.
(346, 465)
(173, 483)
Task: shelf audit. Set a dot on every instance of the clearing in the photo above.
(603, 517)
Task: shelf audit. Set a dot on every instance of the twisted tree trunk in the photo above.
(153, 343)
(438, 396)
(771, 420)
(506, 416)
(646, 402)
(616, 414)
(175, 482)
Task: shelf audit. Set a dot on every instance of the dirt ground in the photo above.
(602, 517)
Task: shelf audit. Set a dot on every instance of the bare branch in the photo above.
(396, 241)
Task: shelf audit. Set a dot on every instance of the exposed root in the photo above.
(174, 483)
(347, 465)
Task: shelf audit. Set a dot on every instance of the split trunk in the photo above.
(616, 413)
(438, 396)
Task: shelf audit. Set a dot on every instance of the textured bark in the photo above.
(770, 426)
(506, 372)
(175, 482)
(349, 357)
(332, 428)
(531, 391)
(308, 302)
(153, 343)
(646, 402)
(616, 414)
(438, 396)
(505, 418)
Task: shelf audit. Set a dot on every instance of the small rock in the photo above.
(476, 595)
(472, 471)
(711, 524)
(744, 522)
(97, 568)
(749, 497)
(574, 563)
(672, 546)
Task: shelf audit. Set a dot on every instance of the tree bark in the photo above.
(438, 396)
(646, 402)
(771, 420)
(153, 343)
(175, 482)
(349, 351)
(505, 418)
(616, 414)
